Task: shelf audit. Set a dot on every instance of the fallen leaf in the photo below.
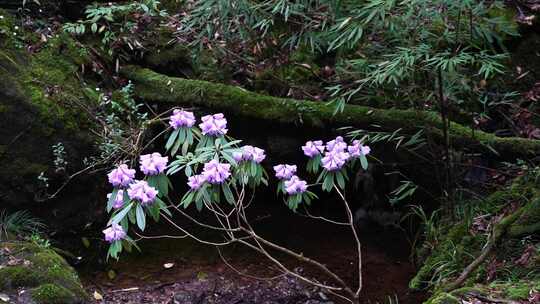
(201, 276)
(168, 265)
(111, 274)
(86, 242)
(98, 296)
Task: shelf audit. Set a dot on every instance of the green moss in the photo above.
(44, 269)
(443, 298)
(18, 276)
(165, 56)
(53, 294)
(452, 252)
(515, 290)
(528, 221)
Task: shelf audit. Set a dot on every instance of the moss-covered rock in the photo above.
(41, 270)
(443, 298)
(513, 260)
(43, 102)
(53, 294)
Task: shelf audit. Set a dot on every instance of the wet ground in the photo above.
(182, 271)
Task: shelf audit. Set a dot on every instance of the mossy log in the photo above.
(155, 87)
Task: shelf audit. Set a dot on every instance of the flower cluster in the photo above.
(214, 125)
(357, 149)
(313, 148)
(142, 192)
(124, 177)
(181, 119)
(153, 164)
(121, 176)
(295, 185)
(285, 172)
(195, 182)
(114, 233)
(334, 160)
(214, 172)
(337, 145)
(249, 153)
(336, 152)
(118, 200)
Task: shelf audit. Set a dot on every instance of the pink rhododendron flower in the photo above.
(142, 192)
(357, 149)
(366, 150)
(114, 233)
(214, 125)
(238, 156)
(121, 176)
(336, 145)
(334, 160)
(250, 153)
(285, 171)
(313, 148)
(181, 118)
(118, 200)
(153, 164)
(196, 181)
(295, 185)
(258, 155)
(216, 172)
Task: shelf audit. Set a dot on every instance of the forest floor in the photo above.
(179, 271)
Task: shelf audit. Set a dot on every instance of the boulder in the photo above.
(32, 273)
(42, 103)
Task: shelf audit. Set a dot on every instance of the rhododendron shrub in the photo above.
(218, 172)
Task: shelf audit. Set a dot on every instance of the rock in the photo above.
(40, 105)
(189, 298)
(42, 273)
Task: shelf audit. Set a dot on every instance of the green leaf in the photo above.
(120, 215)
(171, 140)
(187, 199)
(132, 217)
(162, 206)
(199, 204)
(228, 194)
(141, 217)
(153, 210)
(163, 185)
(328, 182)
(176, 146)
(340, 180)
(363, 162)
(110, 202)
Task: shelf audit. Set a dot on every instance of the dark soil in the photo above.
(199, 275)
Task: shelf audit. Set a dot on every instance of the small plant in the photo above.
(60, 162)
(18, 224)
(38, 240)
(117, 24)
(429, 226)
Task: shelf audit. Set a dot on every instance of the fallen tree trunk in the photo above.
(152, 86)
